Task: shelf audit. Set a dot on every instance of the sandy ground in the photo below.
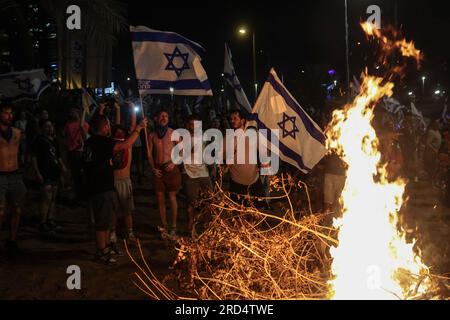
(38, 271)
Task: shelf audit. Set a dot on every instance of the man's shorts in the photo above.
(104, 205)
(124, 190)
(169, 182)
(12, 190)
(193, 187)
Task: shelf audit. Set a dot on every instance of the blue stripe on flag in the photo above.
(166, 37)
(316, 134)
(189, 84)
(288, 152)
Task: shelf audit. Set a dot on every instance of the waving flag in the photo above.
(417, 113)
(392, 105)
(301, 141)
(238, 93)
(444, 113)
(168, 63)
(23, 85)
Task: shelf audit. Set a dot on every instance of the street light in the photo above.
(423, 85)
(242, 32)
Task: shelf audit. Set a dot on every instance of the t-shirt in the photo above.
(47, 156)
(434, 140)
(74, 139)
(195, 170)
(98, 165)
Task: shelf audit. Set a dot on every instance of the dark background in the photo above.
(292, 36)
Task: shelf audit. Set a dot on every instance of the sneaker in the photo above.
(114, 251)
(132, 240)
(173, 232)
(164, 235)
(105, 257)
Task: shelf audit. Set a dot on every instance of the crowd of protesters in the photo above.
(100, 146)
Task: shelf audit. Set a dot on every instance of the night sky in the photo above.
(292, 35)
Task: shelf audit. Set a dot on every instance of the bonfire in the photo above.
(242, 252)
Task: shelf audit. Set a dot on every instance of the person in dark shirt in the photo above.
(48, 166)
(98, 156)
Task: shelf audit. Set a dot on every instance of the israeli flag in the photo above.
(238, 93)
(23, 85)
(168, 63)
(301, 141)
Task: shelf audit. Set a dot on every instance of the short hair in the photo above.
(193, 117)
(240, 113)
(116, 128)
(158, 113)
(98, 122)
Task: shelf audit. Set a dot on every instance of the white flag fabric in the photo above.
(238, 93)
(417, 113)
(392, 105)
(165, 60)
(301, 141)
(444, 113)
(23, 85)
(355, 87)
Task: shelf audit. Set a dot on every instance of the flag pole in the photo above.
(145, 128)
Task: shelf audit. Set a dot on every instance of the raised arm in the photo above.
(127, 144)
(117, 113)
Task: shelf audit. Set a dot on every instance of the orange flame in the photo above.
(388, 45)
(372, 260)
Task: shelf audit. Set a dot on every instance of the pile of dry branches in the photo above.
(242, 252)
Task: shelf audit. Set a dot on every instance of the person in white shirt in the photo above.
(245, 177)
(195, 177)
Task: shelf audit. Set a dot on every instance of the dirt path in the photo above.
(38, 271)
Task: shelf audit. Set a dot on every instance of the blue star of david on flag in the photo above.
(286, 132)
(25, 85)
(177, 54)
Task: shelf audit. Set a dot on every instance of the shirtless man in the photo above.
(166, 175)
(122, 181)
(12, 189)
